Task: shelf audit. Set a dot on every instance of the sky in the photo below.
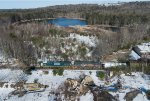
(15, 4)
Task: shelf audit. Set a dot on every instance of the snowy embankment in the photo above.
(12, 76)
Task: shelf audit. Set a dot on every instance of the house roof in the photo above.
(144, 47)
(134, 55)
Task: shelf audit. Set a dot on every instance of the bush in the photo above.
(13, 35)
(146, 38)
(45, 72)
(148, 94)
(82, 51)
(36, 80)
(54, 71)
(58, 71)
(122, 60)
(100, 74)
(32, 68)
(147, 70)
(65, 56)
(90, 72)
(29, 69)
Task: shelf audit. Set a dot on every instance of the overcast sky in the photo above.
(9, 4)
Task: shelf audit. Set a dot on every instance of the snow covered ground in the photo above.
(87, 97)
(8, 75)
(88, 40)
(144, 47)
(12, 76)
(132, 82)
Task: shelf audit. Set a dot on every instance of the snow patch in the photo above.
(144, 47)
(88, 40)
(87, 97)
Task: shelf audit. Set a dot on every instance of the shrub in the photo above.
(58, 71)
(6, 86)
(36, 80)
(122, 60)
(90, 72)
(32, 68)
(65, 56)
(82, 51)
(146, 38)
(45, 72)
(100, 74)
(148, 94)
(29, 69)
(13, 35)
(54, 71)
(147, 70)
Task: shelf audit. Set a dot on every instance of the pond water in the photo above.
(65, 22)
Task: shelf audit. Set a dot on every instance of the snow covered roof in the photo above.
(113, 64)
(134, 55)
(144, 47)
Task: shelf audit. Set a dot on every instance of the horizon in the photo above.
(28, 4)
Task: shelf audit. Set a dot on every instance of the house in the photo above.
(140, 52)
(140, 55)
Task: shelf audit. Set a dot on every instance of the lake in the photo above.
(65, 22)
